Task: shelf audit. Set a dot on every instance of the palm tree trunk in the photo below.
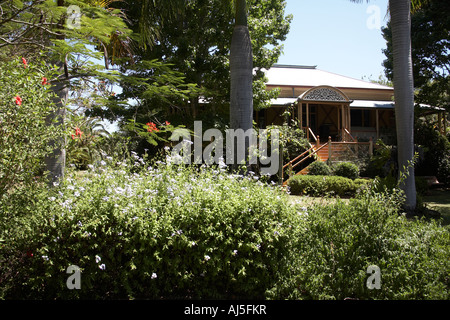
(56, 161)
(241, 68)
(404, 95)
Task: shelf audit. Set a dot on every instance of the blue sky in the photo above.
(337, 36)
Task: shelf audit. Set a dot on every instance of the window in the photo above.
(360, 118)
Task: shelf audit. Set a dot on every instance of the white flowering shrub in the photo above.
(140, 230)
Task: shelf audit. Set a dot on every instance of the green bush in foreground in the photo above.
(339, 241)
(146, 232)
(172, 232)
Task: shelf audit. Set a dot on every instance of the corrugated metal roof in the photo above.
(310, 76)
(354, 104)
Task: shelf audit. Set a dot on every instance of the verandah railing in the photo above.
(337, 151)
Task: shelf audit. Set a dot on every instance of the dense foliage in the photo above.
(435, 154)
(26, 101)
(141, 231)
(156, 231)
(339, 242)
(318, 185)
(346, 169)
(430, 44)
(195, 42)
(319, 168)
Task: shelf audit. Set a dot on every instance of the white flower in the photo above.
(235, 252)
(45, 257)
(207, 257)
(102, 266)
(52, 198)
(97, 259)
(154, 276)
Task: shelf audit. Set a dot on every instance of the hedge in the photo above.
(325, 185)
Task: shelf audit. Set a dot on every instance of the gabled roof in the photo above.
(310, 76)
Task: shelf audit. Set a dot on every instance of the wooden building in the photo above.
(329, 105)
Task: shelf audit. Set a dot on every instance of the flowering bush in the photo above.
(339, 241)
(137, 230)
(25, 103)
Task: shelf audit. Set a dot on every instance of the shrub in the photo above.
(159, 232)
(26, 101)
(319, 168)
(347, 170)
(435, 161)
(339, 241)
(325, 185)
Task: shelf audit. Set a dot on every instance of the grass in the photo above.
(305, 201)
(439, 200)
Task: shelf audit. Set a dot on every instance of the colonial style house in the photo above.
(330, 105)
(340, 116)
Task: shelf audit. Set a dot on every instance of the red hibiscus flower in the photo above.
(18, 100)
(78, 132)
(152, 127)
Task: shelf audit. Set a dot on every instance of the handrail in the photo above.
(314, 152)
(289, 164)
(296, 158)
(314, 136)
(347, 132)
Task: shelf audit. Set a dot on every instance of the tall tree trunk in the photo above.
(56, 161)
(404, 95)
(241, 68)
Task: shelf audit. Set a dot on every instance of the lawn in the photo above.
(439, 200)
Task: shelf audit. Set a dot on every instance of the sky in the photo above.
(338, 36)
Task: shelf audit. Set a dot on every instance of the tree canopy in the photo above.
(430, 32)
(195, 45)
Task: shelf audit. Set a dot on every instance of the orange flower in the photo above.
(24, 62)
(151, 127)
(167, 123)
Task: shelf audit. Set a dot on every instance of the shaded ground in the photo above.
(439, 200)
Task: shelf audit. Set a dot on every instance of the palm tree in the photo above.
(241, 68)
(400, 11)
(400, 14)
